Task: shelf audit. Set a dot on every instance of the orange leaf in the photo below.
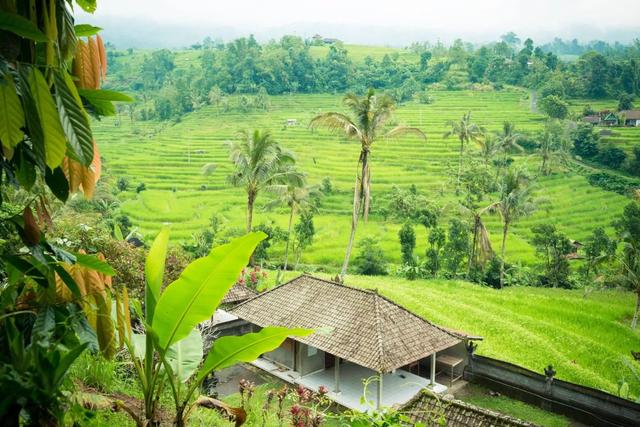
(94, 62)
(103, 56)
(31, 229)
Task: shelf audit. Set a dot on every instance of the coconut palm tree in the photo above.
(371, 114)
(515, 200)
(296, 195)
(489, 146)
(508, 142)
(630, 262)
(553, 147)
(480, 250)
(466, 131)
(259, 162)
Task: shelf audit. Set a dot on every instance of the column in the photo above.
(433, 369)
(336, 372)
(379, 405)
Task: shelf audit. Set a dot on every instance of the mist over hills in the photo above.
(147, 33)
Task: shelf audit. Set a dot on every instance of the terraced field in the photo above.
(169, 158)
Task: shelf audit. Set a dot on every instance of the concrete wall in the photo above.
(283, 355)
(310, 359)
(590, 406)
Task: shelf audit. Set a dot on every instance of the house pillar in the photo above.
(336, 372)
(433, 369)
(379, 404)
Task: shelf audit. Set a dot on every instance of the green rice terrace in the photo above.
(169, 158)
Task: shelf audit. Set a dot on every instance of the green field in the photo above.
(168, 158)
(584, 335)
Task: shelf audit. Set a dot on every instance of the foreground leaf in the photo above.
(154, 272)
(11, 114)
(198, 291)
(21, 26)
(73, 117)
(55, 144)
(86, 30)
(185, 355)
(227, 351)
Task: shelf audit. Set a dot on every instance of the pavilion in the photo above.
(362, 338)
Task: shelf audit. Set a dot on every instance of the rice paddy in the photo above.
(168, 158)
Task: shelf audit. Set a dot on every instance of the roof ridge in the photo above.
(258, 294)
(381, 361)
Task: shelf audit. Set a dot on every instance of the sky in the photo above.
(171, 23)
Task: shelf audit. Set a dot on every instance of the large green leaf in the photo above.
(11, 114)
(86, 30)
(104, 95)
(36, 134)
(198, 291)
(87, 5)
(185, 355)
(21, 26)
(92, 262)
(154, 272)
(55, 144)
(139, 343)
(227, 351)
(73, 117)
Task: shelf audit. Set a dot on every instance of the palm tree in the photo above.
(630, 262)
(296, 195)
(553, 147)
(259, 162)
(370, 116)
(515, 201)
(508, 141)
(480, 250)
(489, 146)
(466, 131)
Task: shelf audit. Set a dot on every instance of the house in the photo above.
(291, 122)
(361, 338)
(431, 410)
(594, 119)
(610, 119)
(630, 117)
(329, 40)
(237, 294)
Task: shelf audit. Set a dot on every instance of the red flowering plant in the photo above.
(254, 278)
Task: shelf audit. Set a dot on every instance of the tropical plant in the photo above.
(508, 141)
(296, 195)
(554, 247)
(304, 231)
(407, 236)
(260, 161)
(371, 260)
(466, 131)
(51, 300)
(371, 114)
(171, 347)
(515, 200)
(480, 250)
(628, 227)
(489, 146)
(553, 148)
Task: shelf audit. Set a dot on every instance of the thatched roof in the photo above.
(429, 409)
(238, 293)
(366, 328)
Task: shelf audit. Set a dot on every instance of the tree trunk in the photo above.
(472, 255)
(460, 165)
(505, 230)
(250, 200)
(634, 321)
(357, 198)
(286, 247)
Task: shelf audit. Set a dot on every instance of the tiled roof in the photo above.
(431, 410)
(238, 293)
(366, 328)
(631, 114)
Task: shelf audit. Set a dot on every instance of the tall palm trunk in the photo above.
(460, 165)
(634, 321)
(251, 198)
(505, 230)
(286, 247)
(472, 255)
(357, 200)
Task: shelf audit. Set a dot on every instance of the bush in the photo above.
(123, 184)
(625, 102)
(612, 157)
(141, 187)
(634, 164)
(407, 237)
(371, 260)
(554, 107)
(615, 183)
(326, 187)
(585, 141)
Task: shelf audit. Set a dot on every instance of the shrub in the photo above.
(457, 245)
(123, 184)
(554, 107)
(371, 260)
(625, 102)
(407, 237)
(326, 187)
(554, 247)
(634, 164)
(585, 141)
(615, 183)
(612, 157)
(141, 187)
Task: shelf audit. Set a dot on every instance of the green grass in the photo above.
(584, 335)
(478, 396)
(169, 157)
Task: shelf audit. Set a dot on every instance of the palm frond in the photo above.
(337, 123)
(405, 130)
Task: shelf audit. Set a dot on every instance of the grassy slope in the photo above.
(168, 157)
(584, 335)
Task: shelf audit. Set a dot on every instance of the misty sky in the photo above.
(147, 23)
